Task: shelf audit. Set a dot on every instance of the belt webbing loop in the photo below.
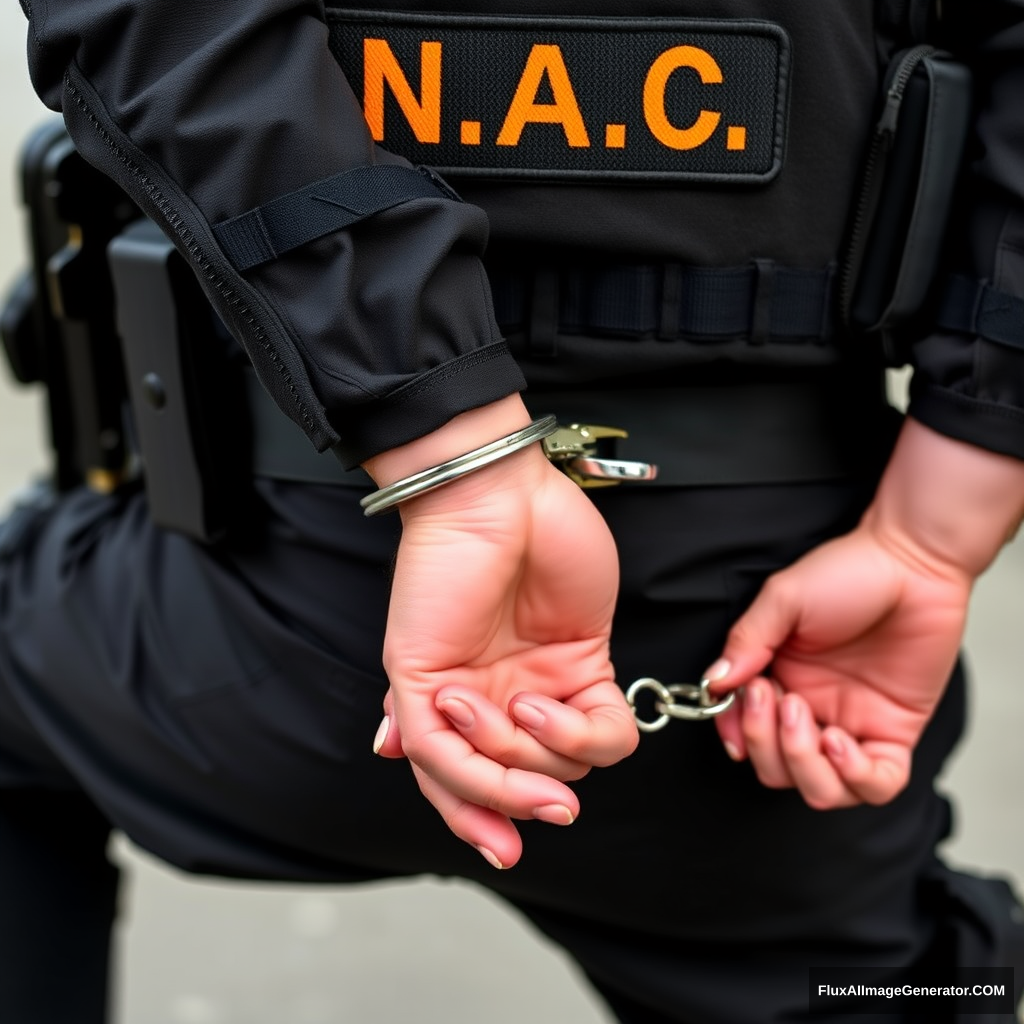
(764, 295)
(762, 301)
(671, 296)
(543, 339)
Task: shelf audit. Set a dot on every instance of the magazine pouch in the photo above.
(900, 218)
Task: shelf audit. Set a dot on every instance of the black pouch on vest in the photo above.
(900, 219)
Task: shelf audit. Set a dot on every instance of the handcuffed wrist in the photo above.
(453, 469)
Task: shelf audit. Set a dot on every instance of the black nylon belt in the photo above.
(698, 436)
(761, 300)
(285, 223)
(615, 99)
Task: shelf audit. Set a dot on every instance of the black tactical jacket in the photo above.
(375, 334)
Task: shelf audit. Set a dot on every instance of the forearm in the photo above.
(368, 336)
(949, 505)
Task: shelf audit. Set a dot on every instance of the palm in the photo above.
(488, 603)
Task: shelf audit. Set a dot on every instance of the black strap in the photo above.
(697, 436)
(974, 307)
(289, 221)
(672, 301)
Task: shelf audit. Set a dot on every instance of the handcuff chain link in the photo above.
(701, 705)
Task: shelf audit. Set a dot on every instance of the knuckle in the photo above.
(738, 633)
(417, 750)
(818, 802)
(884, 794)
(455, 818)
(507, 751)
(771, 778)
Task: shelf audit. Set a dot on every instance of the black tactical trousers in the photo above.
(217, 704)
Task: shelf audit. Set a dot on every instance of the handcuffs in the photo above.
(691, 702)
(575, 450)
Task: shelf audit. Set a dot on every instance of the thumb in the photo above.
(755, 636)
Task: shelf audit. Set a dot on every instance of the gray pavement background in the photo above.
(201, 952)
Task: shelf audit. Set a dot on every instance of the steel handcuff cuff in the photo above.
(574, 449)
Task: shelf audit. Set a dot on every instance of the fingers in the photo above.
(457, 777)
(761, 735)
(875, 771)
(479, 769)
(451, 761)
(494, 734)
(834, 770)
(475, 795)
(756, 636)
(595, 727)
(730, 729)
(563, 740)
(491, 833)
(788, 749)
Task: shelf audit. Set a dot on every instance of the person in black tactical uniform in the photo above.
(662, 235)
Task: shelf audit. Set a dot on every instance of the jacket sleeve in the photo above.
(967, 384)
(367, 337)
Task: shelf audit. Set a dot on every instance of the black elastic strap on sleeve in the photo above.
(285, 223)
(974, 307)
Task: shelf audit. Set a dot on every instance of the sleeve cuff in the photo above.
(997, 428)
(468, 382)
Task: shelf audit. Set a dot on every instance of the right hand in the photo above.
(844, 655)
(497, 648)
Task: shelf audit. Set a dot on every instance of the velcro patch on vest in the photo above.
(649, 99)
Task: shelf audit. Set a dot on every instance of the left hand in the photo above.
(843, 658)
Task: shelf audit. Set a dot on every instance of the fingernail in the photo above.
(719, 670)
(382, 734)
(458, 712)
(790, 713)
(835, 746)
(554, 814)
(527, 715)
(732, 750)
(491, 859)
